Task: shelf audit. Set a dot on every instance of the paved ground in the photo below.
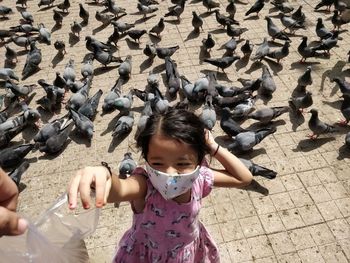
(301, 216)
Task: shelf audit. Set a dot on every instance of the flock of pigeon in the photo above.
(227, 105)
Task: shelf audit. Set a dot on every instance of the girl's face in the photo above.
(171, 156)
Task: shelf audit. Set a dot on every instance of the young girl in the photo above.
(166, 195)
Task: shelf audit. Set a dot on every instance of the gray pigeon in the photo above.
(173, 77)
(69, 73)
(258, 170)
(305, 51)
(127, 166)
(104, 57)
(235, 31)
(44, 34)
(16, 175)
(123, 125)
(274, 31)
(124, 103)
(326, 3)
(268, 85)
(284, 7)
(344, 86)
(145, 10)
(92, 43)
(321, 30)
(58, 18)
(54, 96)
(245, 141)
(187, 89)
(266, 115)
(83, 13)
(197, 21)
(345, 110)
(290, 23)
(256, 7)
(104, 18)
(122, 26)
(327, 44)
(79, 98)
(208, 43)
(60, 46)
(12, 156)
(115, 92)
(280, 53)
(84, 124)
(150, 51)
(7, 136)
(305, 79)
(45, 2)
(223, 62)
(76, 28)
(347, 139)
(125, 68)
(145, 114)
(242, 109)
(163, 52)
(208, 114)
(33, 60)
(64, 6)
(298, 15)
(262, 50)
(87, 69)
(177, 10)
(28, 17)
(317, 126)
(158, 28)
(10, 54)
(210, 4)
(24, 28)
(21, 41)
(231, 8)
(136, 34)
(89, 108)
(230, 46)
(113, 8)
(19, 91)
(228, 124)
(56, 142)
(50, 129)
(6, 73)
(302, 102)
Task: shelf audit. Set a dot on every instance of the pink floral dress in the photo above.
(167, 231)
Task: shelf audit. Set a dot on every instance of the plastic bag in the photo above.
(56, 237)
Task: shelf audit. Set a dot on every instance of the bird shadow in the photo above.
(9, 64)
(274, 44)
(334, 104)
(45, 115)
(77, 137)
(57, 59)
(29, 132)
(98, 29)
(301, 65)
(154, 39)
(111, 124)
(307, 145)
(264, 97)
(56, 27)
(335, 71)
(158, 69)
(251, 153)
(256, 65)
(256, 17)
(132, 44)
(116, 141)
(22, 52)
(144, 19)
(242, 63)
(73, 39)
(102, 70)
(219, 75)
(255, 186)
(296, 118)
(146, 64)
(344, 152)
(46, 8)
(173, 21)
(217, 31)
(192, 35)
(274, 66)
(84, 23)
(203, 53)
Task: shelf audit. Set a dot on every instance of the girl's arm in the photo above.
(108, 188)
(235, 173)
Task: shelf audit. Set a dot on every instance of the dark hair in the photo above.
(178, 124)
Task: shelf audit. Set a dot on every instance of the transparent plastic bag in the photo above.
(56, 237)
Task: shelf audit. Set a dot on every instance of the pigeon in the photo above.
(89, 108)
(302, 102)
(125, 67)
(150, 51)
(228, 124)
(274, 31)
(187, 89)
(79, 98)
(84, 124)
(127, 166)
(262, 50)
(83, 14)
(33, 60)
(163, 52)
(230, 46)
(347, 139)
(16, 175)
(158, 28)
(280, 53)
(64, 6)
(230, 101)
(28, 17)
(340, 6)
(337, 20)
(113, 8)
(69, 73)
(10, 54)
(305, 79)
(208, 43)
(210, 4)
(17, 90)
(124, 103)
(144, 9)
(159, 105)
(59, 81)
(225, 91)
(45, 2)
(56, 142)
(145, 114)
(122, 26)
(4, 33)
(136, 34)
(197, 21)
(245, 141)
(108, 103)
(149, 2)
(247, 48)
(284, 7)
(87, 69)
(235, 32)
(327, 44)
(290, 23)
(241, 110)
(21, 41)
(4, 11)
(345, 110)
(305, 51)
(50, 129)
(7, 136)
(223, 20)
(208, 114)
(60, 46)
(105, 19)
(123, 125)
(91, 43)
(114, 37)
(231, 8)
(57, 17)
(44, 34)
(223, 62)
(258, 170)
(177, 10)
(104, 57)
(317, 126)
(268, 85)
(7, 73)
(76, 28)
(298, 15)
(24, 28)
(201, 86)
(343, 85)
(12, 156)
(327, 3)
(266, 115)
(321, 30)
(23, 3)
(173, 77)
(256, 7)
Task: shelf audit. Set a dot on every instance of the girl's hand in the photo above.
(98, 178)
(211, 143)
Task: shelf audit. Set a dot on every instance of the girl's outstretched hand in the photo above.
(98, 178)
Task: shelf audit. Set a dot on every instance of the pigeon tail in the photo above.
(263, 133)
(16, 174)
(258, 170)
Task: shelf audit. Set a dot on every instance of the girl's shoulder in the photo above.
(206, 178)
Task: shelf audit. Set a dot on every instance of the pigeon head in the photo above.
(267, 18)
(314, 112)
(90, 133)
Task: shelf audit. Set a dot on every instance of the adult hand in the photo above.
(98, 178)
(10, 222)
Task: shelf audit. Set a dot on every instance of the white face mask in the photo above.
(171, 185)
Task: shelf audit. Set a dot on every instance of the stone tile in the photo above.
(310, 255)
(251, 226)
(309, 178)
(336, 190)
(271, 223)
(282, 201)
(263, 205)
(281, 243)
(329, 210)
(224, 253)
(260, 247)
(271, 259)
(340, 228)
(291, 219)
(291, 182)
(231, 230)
(214, 231)
(289, 258)
(301, 238)
(274, 186)
(310, 214)
(333, 253)
(319, 193)
(326, 175)
(300, 197)
(345, 245)
(239, 250)
(321, 234)
(244, 208)
(224, 211)
(208, 216)
(344, 206)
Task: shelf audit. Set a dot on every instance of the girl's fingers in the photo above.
(100, 186)
(73, 190)
(85, 188)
